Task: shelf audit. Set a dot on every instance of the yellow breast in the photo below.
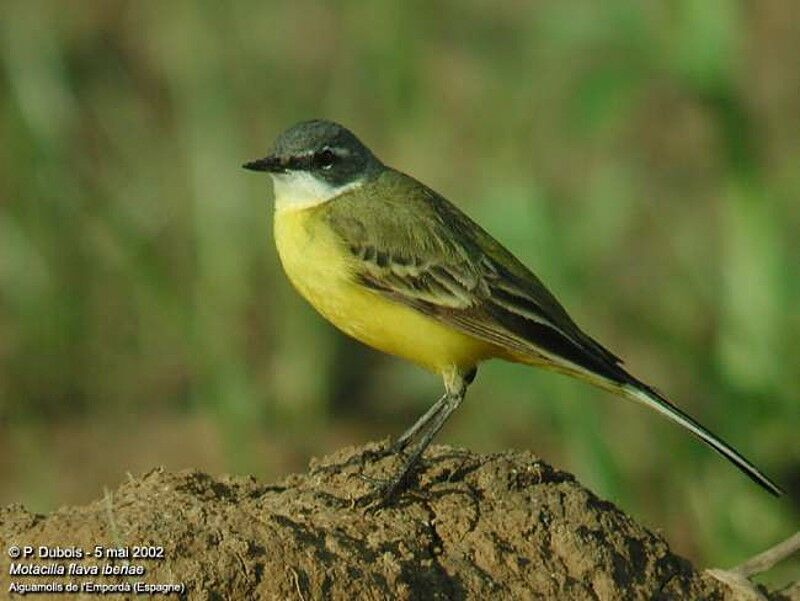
(320, 270)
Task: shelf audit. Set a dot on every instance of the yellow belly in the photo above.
(320, 270)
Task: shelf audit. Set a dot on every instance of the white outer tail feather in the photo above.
(654, 400)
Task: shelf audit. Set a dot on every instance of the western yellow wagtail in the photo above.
(395, 265)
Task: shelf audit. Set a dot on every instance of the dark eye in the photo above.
(324, 159)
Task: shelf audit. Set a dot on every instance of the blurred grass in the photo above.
(642, 157)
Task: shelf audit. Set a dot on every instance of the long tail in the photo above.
(643, 393)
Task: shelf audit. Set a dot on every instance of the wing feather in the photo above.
(441, 263)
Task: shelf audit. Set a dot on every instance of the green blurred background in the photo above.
(641, 156)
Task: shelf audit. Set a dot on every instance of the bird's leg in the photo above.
(456, 387)
(456, 382)
(402, 441)
(395, 485)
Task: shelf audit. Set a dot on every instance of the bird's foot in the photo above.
(361, 459)
(384, 491)
(387, 490)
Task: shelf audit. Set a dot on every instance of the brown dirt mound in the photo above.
(496, 526)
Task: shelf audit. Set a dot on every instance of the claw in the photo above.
(384, 491)
(361, 459)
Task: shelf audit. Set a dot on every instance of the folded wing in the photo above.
(415, 248)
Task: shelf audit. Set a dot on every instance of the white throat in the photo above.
(295, 190)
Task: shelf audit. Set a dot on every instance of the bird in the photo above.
(395, 265)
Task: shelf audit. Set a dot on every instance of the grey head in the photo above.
(325, 150)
